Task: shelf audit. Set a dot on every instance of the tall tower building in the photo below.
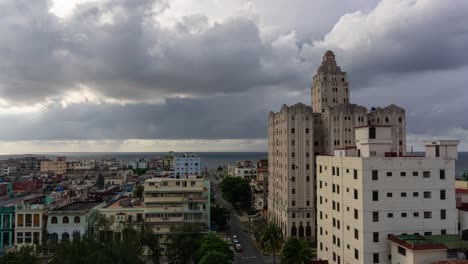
(291, 186)
(330, 85)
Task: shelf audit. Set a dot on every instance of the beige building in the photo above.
(369, 192)
(172, 202)
(58, 167)
(291, 190)
(30, 224)
(298, 133)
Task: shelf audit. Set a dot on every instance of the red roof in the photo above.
(413, 247)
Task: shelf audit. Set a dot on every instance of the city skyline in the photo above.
(202, 76)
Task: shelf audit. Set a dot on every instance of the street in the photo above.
(249, 254)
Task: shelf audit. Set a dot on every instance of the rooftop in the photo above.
(77, 206)
(434, 242)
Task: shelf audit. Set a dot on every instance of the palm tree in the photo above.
(271, 239)
(296, 251)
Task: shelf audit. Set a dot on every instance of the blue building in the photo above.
(7, 227)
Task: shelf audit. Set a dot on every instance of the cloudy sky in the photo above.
(202, 75)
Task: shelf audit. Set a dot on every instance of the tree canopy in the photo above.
(237, 190)
(212, 242)
(271, 239)
(296, 251)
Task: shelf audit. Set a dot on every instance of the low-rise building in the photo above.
(435, 249)
(171, 202)
(73, 220)
(30, 223)
(122, 212)
(7, 216)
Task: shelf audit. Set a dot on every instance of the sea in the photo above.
(210, 160)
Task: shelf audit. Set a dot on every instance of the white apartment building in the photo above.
(366, 193)
(189, 164)
(298, 133)
(171, 202)
(138, 164)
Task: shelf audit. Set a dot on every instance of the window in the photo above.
(375, 216)
(426, 174)
(427, 215)
(371, 132)
(442, 174)
(415, 194)
(375, 196)
(443, 214)
(415, 173)
(355, 174)
(428, 233)
(36, 220)
(389, 173)
(404, 215)
(293, 166)
(389, 194)
(403, 173)
(28, 220)
(402, 251)
(375, 237)
(355, 194)
(376, 258)
(355, 214)
(293, 203)
(443, 232)
(390, 215)
(293, 154)
(375, 175)
(65, 220)
(20, 221)
(403, 194)
(307, 131)
(416, 214)
(292, 131)
(356, 254)
(53, 220)
(356, 234)
(442, 194)
(307, 166)
(427, 195)
(293, 142)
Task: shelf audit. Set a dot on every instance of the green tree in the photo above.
(237, 190)
(150, 242)
(138, 191)
(183, 242)
(296, 251)
(215, 257)
(218, 216)
(271, 239)
(140, 171)
(25, 255)
(212, 242)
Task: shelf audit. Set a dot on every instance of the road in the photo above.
(249, 253)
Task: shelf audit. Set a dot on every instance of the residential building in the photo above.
(169, 160)
(82, 165)
(172, 202)
(291, 170)
(6, 190)
(58, 166)
(121, 213)
(298, 133)
(244, 169)
(7, 217)
(261, 182)
(138, 164)
(435, 249)
(189, 164)
(366, 193)
(72, 221)
(30, 224)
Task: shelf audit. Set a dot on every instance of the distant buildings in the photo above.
(188, 164)
(57, 167)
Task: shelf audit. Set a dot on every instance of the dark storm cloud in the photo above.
(229, 74)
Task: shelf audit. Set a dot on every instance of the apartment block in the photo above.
(366, 193)
(58, 166)
(171, 202)
(188, 164)
(30, 224)
(291, 191)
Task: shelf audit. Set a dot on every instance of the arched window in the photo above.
(301, 231)
(65, 236)
(293, 231)
(65, 220)
(54, 237)
(308, 230)
(76, 220)
(53, 220)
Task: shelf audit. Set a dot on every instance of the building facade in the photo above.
(58, 167)
(172, 202)
(7, 217)
(291, 170)
(298, 133)
(367, 193)
(189, 164)
(30, 224)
